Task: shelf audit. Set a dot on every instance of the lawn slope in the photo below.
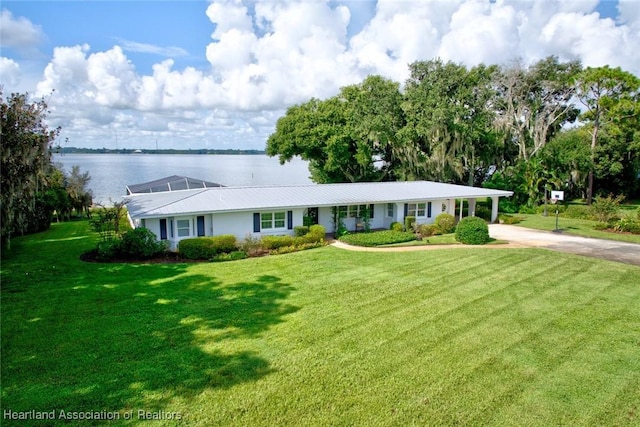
(322, 337)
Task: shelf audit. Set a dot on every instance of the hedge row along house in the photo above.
(276, 210)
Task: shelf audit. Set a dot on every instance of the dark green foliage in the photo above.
(206, 247)
(483, 212)
(108, 249)
(378, 238)
(25, 158)
(140, 243)
(300, 230)
(446, 223)
(409, 222)
(472, 230)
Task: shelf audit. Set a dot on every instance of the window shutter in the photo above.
(429, 209)
(163, 229)
(256, 222)
(406, 209)
(290, 220)
(371, 211)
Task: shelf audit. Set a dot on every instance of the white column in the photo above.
(472, 207)
(461, 207)
(494, 208)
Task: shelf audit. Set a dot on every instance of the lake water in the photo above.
(111, 173)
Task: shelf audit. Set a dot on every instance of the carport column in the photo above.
(451, 207)
(472, 207)
(494, 208)
(461, 206)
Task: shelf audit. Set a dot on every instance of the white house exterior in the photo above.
(276, 210)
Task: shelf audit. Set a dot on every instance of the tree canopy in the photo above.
(32, 188)
(548, 124)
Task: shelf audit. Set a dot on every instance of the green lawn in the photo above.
(322, 337)
(578, 227)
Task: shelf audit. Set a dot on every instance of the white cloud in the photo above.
(169, 51)
(267, 55)
(19, 33)
(9, 71)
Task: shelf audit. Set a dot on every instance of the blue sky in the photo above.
(220, 73)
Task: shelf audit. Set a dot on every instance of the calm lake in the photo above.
(111, 173)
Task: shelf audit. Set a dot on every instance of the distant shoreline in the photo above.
(76, 150)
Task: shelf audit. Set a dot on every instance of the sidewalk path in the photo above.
(520, 237)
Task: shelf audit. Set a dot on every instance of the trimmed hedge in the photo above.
(472, 230)
(314, 235)
(377, 238)
(206, 247)
(275, 242)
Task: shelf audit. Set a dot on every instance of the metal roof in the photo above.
(230, 199)
(170, 183)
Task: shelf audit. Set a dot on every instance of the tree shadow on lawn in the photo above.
(136, 336)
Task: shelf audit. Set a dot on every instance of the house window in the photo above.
(270, 220)
(184, 227)
(416, 209)
(342, 211)
(357, 211)
(390, 210)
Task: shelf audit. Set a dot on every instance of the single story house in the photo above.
(274, 210)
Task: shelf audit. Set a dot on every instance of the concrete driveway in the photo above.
(628, 253)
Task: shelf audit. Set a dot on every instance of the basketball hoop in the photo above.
(553, 201)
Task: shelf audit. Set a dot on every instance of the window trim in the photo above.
(188, 227)
(269, 222)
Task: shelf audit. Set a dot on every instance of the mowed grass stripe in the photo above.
(327, 337)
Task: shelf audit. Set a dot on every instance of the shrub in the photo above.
(509, 219)
(605, 209)
(426, 230)
(300, 230)
(275, 242)
(408, 222)
(472, 230)
(629, 223)
(578, 212)
(378, 238)
(108, 249)
(396, 226)
(316, 233)
(251, 245)
(446, 223)
(140, 243)
(206, 247)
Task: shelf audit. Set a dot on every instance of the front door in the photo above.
(200, 225)
(311, 218)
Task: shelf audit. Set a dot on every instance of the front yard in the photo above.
(321, 337)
